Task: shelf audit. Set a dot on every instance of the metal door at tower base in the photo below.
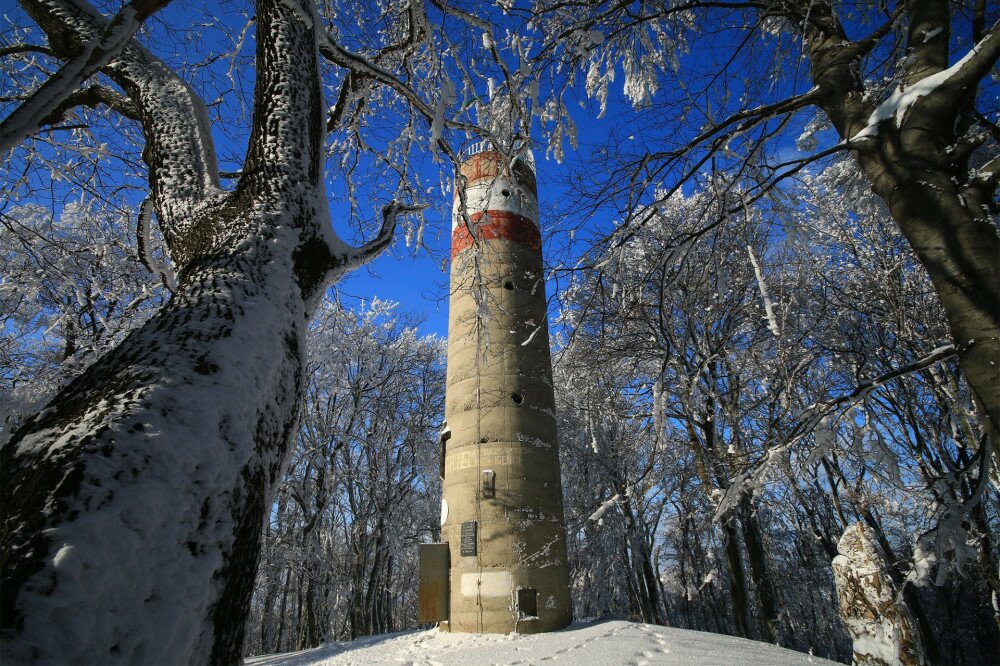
(433, 588)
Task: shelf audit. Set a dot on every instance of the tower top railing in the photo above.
(522, 152)
(475, 148)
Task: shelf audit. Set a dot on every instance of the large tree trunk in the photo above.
(308, 633)
(133, 503)
(960, 252)
(737, 578)
(760, 573)
(140, 491)
(917, 158)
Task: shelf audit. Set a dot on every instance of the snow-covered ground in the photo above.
(600, 643)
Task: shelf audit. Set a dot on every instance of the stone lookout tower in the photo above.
(502, 514)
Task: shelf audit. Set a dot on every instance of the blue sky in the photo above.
(415, 280)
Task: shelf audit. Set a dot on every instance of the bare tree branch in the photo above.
(18, 49)
(27, 118)
(362, 255)
(92, 97)
(359, 64)
(811, 417)
(179, 151)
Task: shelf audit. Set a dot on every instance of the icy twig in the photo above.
(772, 321)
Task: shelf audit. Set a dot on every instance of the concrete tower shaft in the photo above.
(502, 512)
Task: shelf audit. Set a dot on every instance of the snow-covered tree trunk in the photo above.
(881, 626)
(133, 503)
(139, 493)
(915, 149)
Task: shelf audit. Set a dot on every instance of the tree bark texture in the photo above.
(126, 477)
(881, 626)
(133, 503)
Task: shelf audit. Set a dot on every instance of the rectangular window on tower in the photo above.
(527, 602)
(489, 484)
(445, 436)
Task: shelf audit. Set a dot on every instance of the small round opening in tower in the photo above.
(508, 285)
(506, 193)
(517, 398)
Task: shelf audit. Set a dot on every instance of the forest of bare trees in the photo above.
(362, 488)
(728, 510)
(772, 237)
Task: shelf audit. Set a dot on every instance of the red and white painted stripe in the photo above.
(500, 205)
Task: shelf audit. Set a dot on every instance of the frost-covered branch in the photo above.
(949, 538)
(179, 150)
(950, 84)
(603, 508)
(627, 9)
(811, 417)
(18, 49)
(717, 137)
(357, 83)
(743, 121)
(340, 56)
(92, 97)
(772, 320)
(26, 119)
(461, 14)
(990, 173)
(362, 255)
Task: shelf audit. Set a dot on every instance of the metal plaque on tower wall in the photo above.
(468, 538)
